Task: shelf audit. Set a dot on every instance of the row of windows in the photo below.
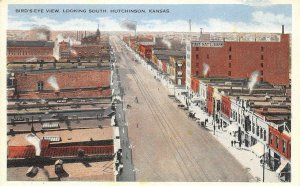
(197, 56)
(284, 143)
(256, 130)
(229, 57)
(22, 53)
(261, 49)
(229, 65)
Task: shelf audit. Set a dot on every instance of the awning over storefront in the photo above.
(258, 149)
(282, 166)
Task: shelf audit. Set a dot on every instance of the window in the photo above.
(261, 133)
(197, 56)
(265, 135)
(230, 49)
(253, 128)
(257, 130)
(229, 57)
(207, 56)
(40, 86)
(261, 49)
(229, 65)
(262, 57)
(197, 73)
(283, 146)
(197, 64)
(277, 142)
(197, 48)
(262, 64)
(229, 73)
(262, 72)
(271, 138)
(261, 79)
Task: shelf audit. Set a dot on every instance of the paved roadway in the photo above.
(167, 146)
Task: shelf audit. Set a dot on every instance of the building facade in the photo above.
(29, 51)
(239, 59)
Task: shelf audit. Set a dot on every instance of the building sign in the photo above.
(208, 44)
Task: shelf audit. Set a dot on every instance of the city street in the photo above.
(167, 145)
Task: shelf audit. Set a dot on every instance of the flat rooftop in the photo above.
(92, 171)
(72, 124)
(67, 136)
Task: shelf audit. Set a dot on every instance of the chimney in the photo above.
(282, 28)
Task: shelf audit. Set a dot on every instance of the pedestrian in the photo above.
(158, 89)
(231, 143)
(137, 125)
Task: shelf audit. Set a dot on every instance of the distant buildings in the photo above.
(92, 39)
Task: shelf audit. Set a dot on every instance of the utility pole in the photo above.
(214, 117)
(264, 165)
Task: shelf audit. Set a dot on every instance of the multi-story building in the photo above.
(94, 39)
(60, 83)
(240, 58)
(29, 51)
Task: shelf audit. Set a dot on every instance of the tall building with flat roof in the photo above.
(238, 58)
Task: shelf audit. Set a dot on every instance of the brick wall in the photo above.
(240, 59)
(195, 85)
(20, 54)
(273, 133)
(71, 83)
(210, 100)
(226, 106)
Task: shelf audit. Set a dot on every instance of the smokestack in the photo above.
(190, 25)
(200, 33)
(282, 28)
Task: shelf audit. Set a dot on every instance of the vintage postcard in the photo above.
(137, 92)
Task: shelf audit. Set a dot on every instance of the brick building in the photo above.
(145, 49)
(93, 52)
(240, 58)
(69, 84)
(94, 39)
(29, 51)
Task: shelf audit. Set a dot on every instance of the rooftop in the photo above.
(92, 171)
(13, 43)
(66, 136)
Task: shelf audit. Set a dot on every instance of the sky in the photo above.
(212, 18)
